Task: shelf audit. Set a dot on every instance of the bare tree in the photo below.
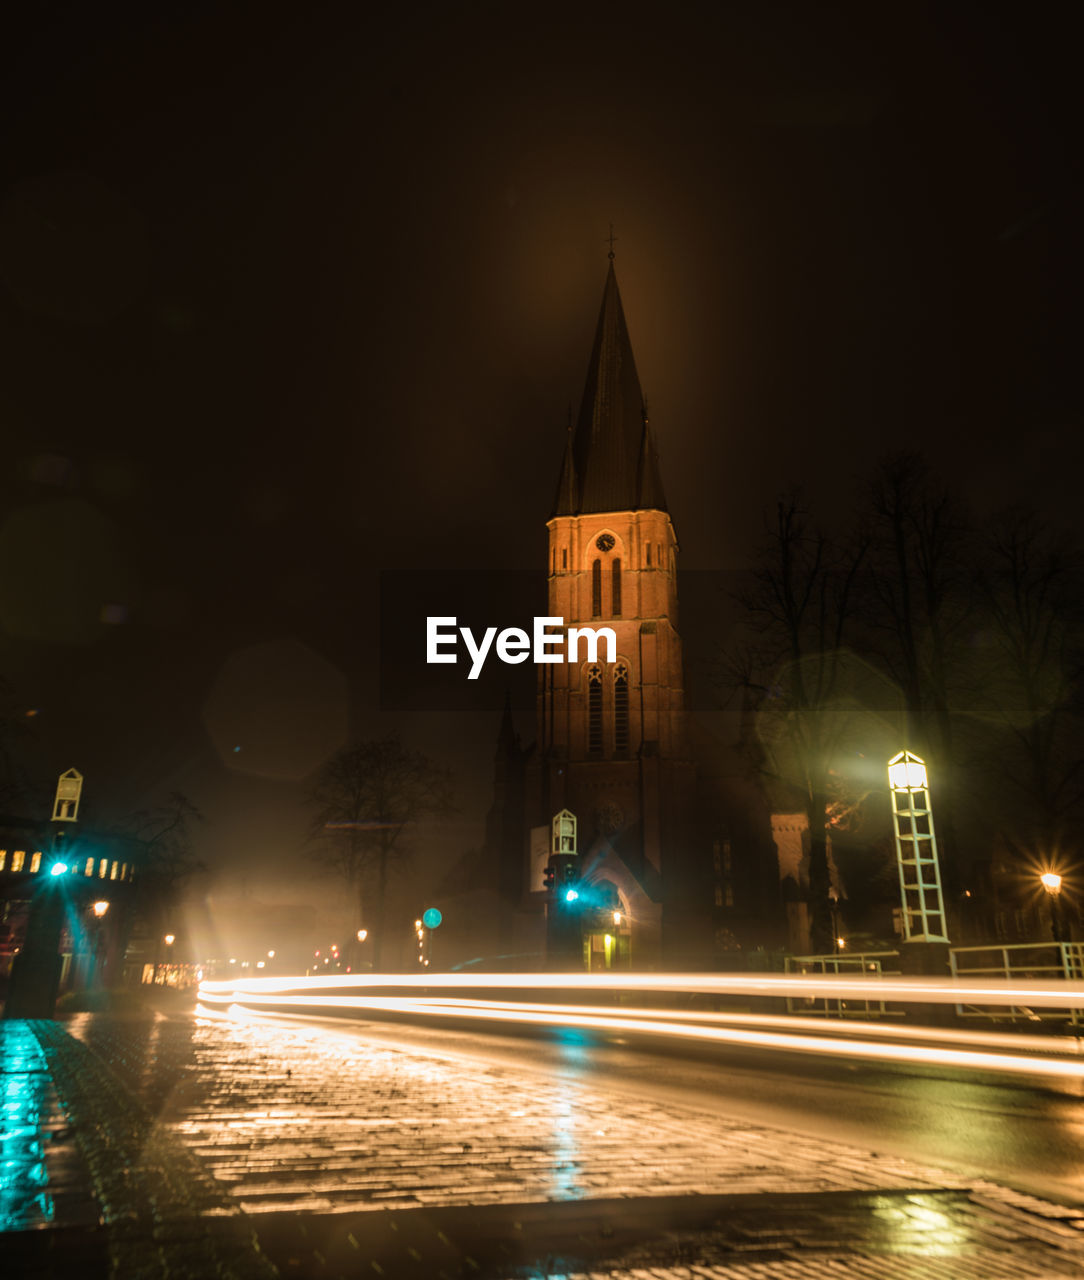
(365, 801)
(917, 599)
(164, 835)
(802, 680)
(1030, 678)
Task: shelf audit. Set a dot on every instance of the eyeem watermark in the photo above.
(514, 645)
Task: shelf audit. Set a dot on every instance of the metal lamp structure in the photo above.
(916, 850)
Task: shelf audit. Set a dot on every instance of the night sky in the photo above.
(288, 300)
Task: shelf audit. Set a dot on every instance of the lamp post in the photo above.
(564, 920)
(35, 972)
(1051, 882)
(99, 909)
(916, 850)
(925, 946)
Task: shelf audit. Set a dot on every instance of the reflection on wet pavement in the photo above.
(42, 1176)
(318, 1119)
(24, 1196)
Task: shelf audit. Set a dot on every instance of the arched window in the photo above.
(621, 708)
(615, 589)
(596, 589)
(594, 709)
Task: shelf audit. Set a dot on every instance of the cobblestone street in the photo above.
(247, 1148)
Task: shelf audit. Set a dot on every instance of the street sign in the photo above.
(69, 787)
(431, 917)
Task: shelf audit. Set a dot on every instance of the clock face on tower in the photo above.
(605, 542)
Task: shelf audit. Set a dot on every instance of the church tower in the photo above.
(611, 743)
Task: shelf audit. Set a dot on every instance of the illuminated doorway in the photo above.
(606, 931)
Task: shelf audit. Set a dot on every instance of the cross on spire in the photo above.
(613, 240)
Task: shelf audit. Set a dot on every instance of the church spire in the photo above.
(651, 496)
(568, 497)
(611, 464)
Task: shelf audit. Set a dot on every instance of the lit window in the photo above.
(594, 708)
(103, 867)
(596, 589)
(615, 589)
(124, 871)
(35, 861)
(729, 896)
(17, 860)
(113, 873)
(88, 870)
(718, 896)
(621, 707)
(3, 858)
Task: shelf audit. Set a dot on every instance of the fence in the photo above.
(1020, 960)
(868, 964)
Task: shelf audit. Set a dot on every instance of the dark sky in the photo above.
(290, 296)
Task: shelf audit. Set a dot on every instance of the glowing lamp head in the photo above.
(1051, 881)
(100, 908)
(617, 917)
(907, 775)
(58, 868)
(170, 939)
(841, 943)
(362, 934)
(571, 895)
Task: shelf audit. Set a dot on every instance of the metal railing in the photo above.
(867, 964)
(1020, 960)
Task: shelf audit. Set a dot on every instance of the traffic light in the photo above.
(549, 876)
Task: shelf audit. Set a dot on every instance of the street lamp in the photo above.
(100, 908)
(362, 934)
(170, 939)
(1051, 882)
(916, 850)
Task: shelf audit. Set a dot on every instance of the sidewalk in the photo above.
(197, 1146)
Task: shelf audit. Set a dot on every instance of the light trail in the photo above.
(797, 1036)
(1038, 993)
(573, 1016)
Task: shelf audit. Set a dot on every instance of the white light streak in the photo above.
(1038, 993)
(702, 1027)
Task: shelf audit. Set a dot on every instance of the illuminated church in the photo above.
(674, 840)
